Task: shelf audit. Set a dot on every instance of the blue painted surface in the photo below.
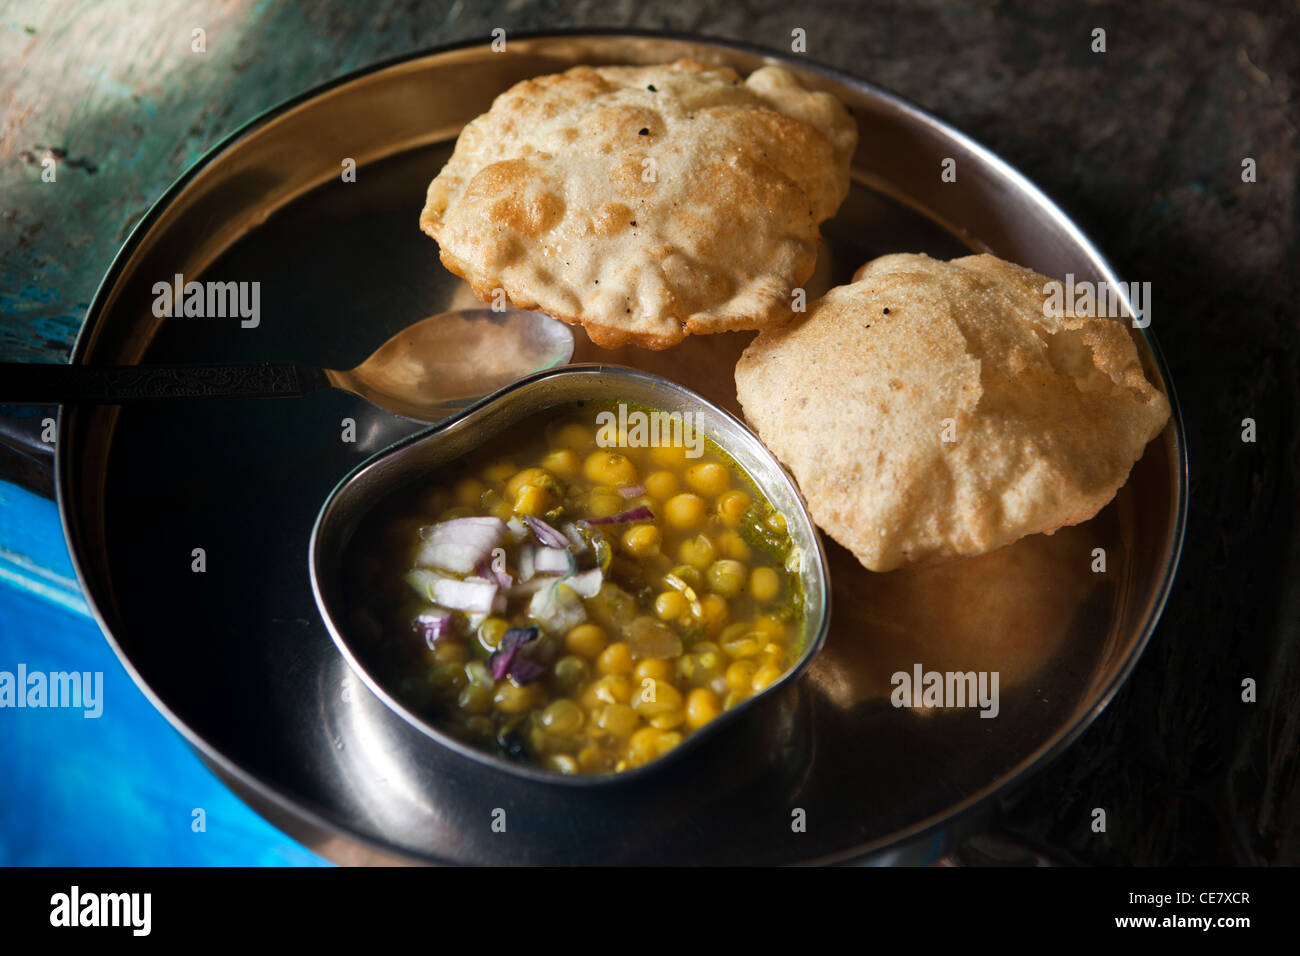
(118, 789)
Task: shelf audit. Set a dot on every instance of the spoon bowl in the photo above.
(443, 363)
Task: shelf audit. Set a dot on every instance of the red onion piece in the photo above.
(504, 657)
(460, 544)
(433, 625)
(642, 513)
(632, 491)
(525, 671)
(545, 533)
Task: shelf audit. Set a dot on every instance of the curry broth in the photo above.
(672, 600)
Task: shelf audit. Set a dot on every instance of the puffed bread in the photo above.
(646, 203)
(1046, 414)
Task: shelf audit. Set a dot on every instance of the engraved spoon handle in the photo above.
(118, 384)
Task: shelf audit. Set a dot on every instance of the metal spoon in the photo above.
(427, 371)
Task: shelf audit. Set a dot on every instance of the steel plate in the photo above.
(239, 660)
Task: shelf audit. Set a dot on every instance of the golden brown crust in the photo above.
(645, 215)
(1044, 415)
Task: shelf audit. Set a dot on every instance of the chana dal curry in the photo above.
(578, 597)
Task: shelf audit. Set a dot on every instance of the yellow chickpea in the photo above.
(726, 577)
(562, 462)
(532, 500)
(641, 540)
(609, 468)
(776, 521)
(698, 552)
(668, 719)
(604, 502)
(771, 628)
(575, 437)
(733, 546)
(702, 706)
(669, 456)
(764, 584)
(685, 511)
(732, 506)
(644, 745)
(586, 640)
(492, 630)
(658, 670)
(765, 677)
(510, 698)
(615, 659)
(529, 476)
(562, 716)
(740, 675)
(715, 611)
(610, 689)
(708, 478)
(499, 472)
(655, 697)
(619, 720)
(662, 485)
(742, 645)
(670, 605)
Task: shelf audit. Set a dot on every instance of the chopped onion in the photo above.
(577, 543)
(504, 657)
(552, 561)
(518, 530)
(527, 565)
(525, 671)
(641, 513)
(558, 609)
(545, 533)
(488, 569)
(531, 586)
(632, 491)
(474, 595)
(586, 583)
(460, 544)
(433, 624)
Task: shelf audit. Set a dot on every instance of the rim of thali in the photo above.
(302, 808)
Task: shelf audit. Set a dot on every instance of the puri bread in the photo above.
(1045, 414)
(646, 203)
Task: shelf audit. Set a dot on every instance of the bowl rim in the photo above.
(817, 616)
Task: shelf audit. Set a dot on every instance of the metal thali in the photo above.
(239, 660)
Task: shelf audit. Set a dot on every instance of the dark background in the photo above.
(1142, 145)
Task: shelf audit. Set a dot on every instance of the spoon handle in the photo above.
(118, 384)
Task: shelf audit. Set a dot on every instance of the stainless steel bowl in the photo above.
(408, 461)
